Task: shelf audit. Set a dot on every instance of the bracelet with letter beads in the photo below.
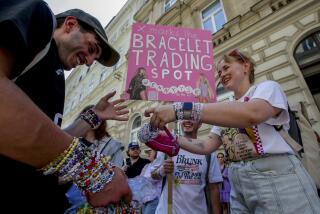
(178, 109)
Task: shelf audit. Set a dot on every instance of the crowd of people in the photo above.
(44, 166)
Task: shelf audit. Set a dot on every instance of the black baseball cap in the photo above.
(109, 55)
(133, 145)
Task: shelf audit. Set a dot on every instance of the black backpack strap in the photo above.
(293, 136)
(294, 130)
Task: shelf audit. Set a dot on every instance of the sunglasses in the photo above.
(238, 55)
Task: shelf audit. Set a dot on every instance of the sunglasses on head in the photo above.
(238, 55)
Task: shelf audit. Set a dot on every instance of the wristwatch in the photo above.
(187, 110)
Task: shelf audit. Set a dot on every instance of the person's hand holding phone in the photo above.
(127, 165)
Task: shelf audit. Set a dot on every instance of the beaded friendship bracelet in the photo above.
(178, 109)
(197, 111)
(89, 170)
(52, 167)
(91, 118)
(184, 115)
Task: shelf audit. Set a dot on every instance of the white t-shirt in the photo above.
(189, 182)
(156, 184)
(244, 143)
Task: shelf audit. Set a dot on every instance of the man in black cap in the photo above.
(135, 163)
(35, 48)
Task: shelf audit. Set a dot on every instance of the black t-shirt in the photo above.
(26, 27)
(136, 168)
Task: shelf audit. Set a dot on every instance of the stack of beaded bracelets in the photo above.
(91, 118)
(195, 112)
(87, 168)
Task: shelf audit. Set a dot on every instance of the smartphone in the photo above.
(128, 162)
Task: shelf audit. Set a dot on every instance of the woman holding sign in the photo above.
(265, 175)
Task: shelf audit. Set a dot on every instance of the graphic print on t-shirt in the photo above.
(188, 170)
(241, 144)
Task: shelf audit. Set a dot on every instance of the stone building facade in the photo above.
(282, 36)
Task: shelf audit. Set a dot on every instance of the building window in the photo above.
(307, 55)
(213, 17)
(104, 73)
(169, 4)
(102, 76)
(308, 50)
(124, 26)
(121, 53)
(80, 97)
(91, 85)
(116, 66)
(72, 105)
(88, 70)
(135, 128)
(113, 38)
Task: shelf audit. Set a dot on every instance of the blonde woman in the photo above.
(265, 175)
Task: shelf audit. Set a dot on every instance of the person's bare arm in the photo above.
(106, 110)
(198, 146)
(27, 134)
(238, 114)
(225, 114)
(215, 198)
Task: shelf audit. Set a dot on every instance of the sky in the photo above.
(103, 10)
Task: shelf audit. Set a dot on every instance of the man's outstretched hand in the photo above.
(111, 110)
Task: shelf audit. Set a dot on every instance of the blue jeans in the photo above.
(273, 184)
(150, 207)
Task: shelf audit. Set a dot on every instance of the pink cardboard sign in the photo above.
(170, 64)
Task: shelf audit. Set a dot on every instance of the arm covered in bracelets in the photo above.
(29, 136)
(87, 168)
(225, 114)
(104, 110)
